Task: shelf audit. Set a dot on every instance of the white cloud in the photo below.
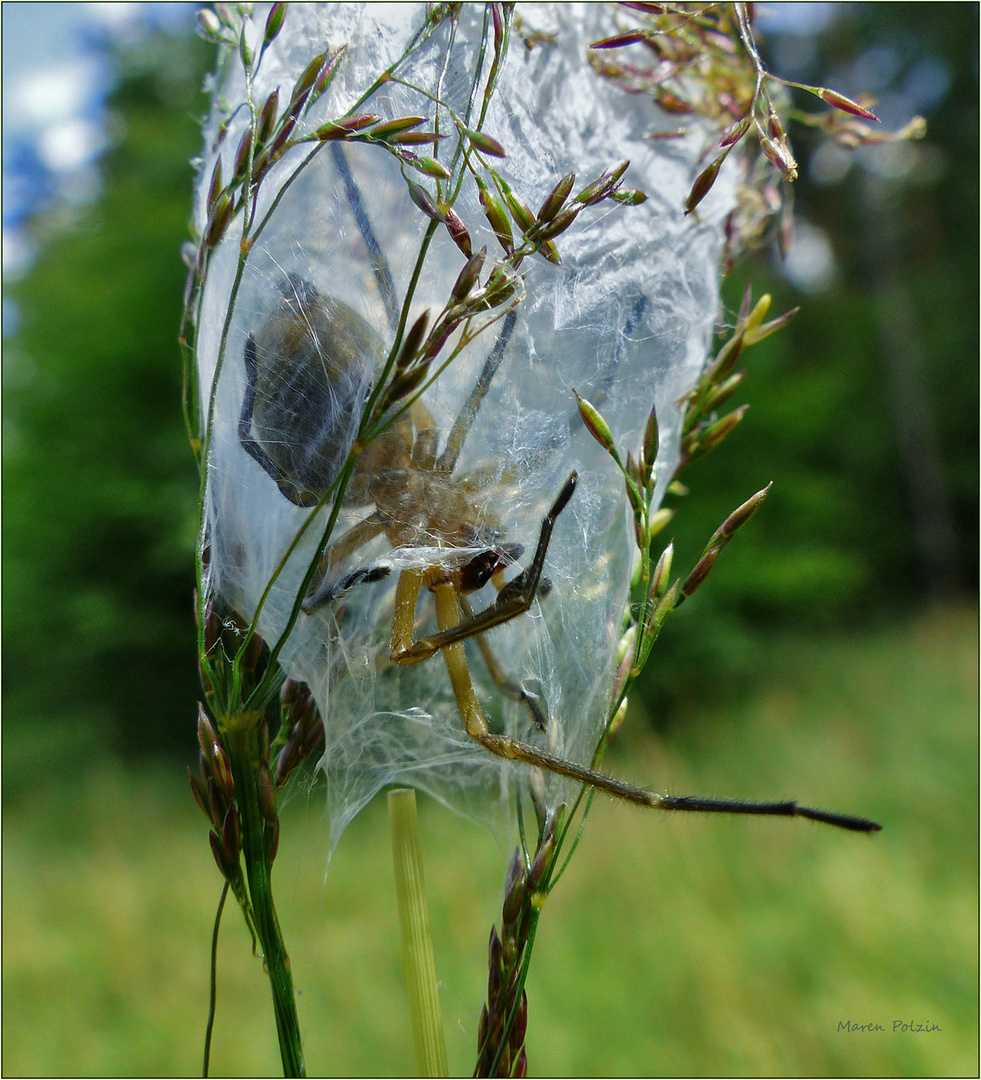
(114, 15)
(51, 95)
(65, 147)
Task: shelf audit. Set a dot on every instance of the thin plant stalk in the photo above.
(417, 946)
(243, 751)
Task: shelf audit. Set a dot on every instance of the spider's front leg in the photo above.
(454, 629)
(323, 589)
(513, 600)
(448, 615)
(506, 686)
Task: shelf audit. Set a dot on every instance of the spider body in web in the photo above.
(309, 370)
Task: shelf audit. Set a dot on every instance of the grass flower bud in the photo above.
(541, 863)
(758, 314)
(209, 26)
(220, 769)
(216, 186)
(207, 736)
(659, 519)
(595, 424)
(515, 898)
(460, 236)
(413, 342)
(715, 433)
(200, 791)
(394, 127)
(274, 23)
(845, 104)
(267, 795)
(469, 276)
(649, 447)
(289, 757)
(231, 837)
(421, 198)
(662, 572)
(699, 573)
(228, 870)
(601, 187)
(556, 198)
(221, 216)
(304, 84)
(778, 152)
(738, 518)
(562, 221)
(496, 216)
(703, 183)
(341, 129)
(485, 143)
(617, 722)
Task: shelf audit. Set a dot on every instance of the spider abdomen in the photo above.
(310, 365)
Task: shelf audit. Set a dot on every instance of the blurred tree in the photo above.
(863, 410)
(99, 485)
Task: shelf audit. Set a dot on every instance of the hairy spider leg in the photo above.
(427, 436)
(379, 264)
(467, 415)
(322, 589)
(454, 628)
(448, 614)
(506, 686)
(513, 600)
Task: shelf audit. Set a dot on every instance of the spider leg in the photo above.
(454, 629)
(427, 434)
(504, 683)
(379, 264)
(330, 591)
(448, 614)
(464, 421)
(513, 600)
(406, 598)
(322, 589)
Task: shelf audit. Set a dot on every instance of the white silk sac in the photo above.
(625, 320)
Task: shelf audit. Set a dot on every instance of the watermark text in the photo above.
(854, 1026)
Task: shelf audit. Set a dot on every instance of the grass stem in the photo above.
(417, 946)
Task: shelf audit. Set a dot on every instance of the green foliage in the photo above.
(99, 485)
(683, 945)
(863, 409)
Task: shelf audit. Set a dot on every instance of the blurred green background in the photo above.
(832, 657)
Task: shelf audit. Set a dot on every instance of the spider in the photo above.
(308, 370)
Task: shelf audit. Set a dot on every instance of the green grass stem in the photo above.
(417, 946)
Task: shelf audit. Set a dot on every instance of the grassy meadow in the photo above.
(674, 945)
